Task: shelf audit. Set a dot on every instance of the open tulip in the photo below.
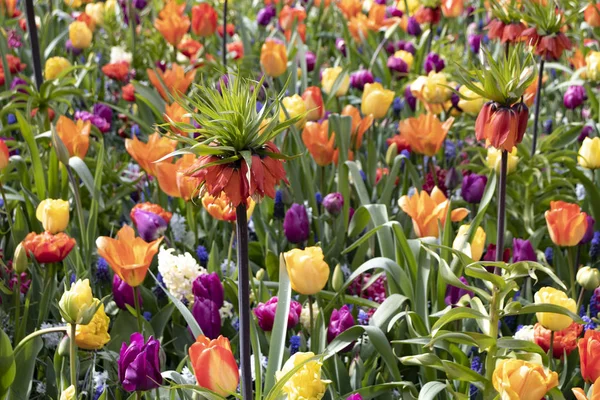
(425, 133)
(53, 214)
(309, 262)
(376, 100)
(332, 75)
(589, 153)
(140, 364)
(567, 224)
(273, 58)
(265, 314)
(172, 26)
(595, 392)
(320, 145)
(214, 365)
(340, 320)
(522, 380)
(427, 211)
(204, 20)
(306, 382)
(564, 340)
(554, 321)
(77, 305)
(74, 135)
(589, 348)
(175, 80)
(127, 255)
(48, 248)
(359, 125)
(94, 335)
(146, 154)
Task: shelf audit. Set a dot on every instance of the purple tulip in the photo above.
(18, 82)
(333, 203)
(355, 396)
(454, 294)
(390, 47)
(140, 364)
(586, 131)
(589, 233)
(103, 111)
(149, 225)
(360, 78)
(397, 64)
(523, 251)
(340, 320)
(209, 286)
(574, 97)
(406, 46)
(413, 28)
(140, 4)
(265, 15)
(392, 11)
(433, 62)
(490, 254)
(472, 188)
(295, 224)
(265, 314)
(474, 42)
(123, 293)
(311, 61)
(206, 313)
(340, 45)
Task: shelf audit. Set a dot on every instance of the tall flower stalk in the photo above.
(237, 157)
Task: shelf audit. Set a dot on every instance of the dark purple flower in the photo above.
(224, 80)
(71, 49)
(397, 64)
(413, 28)
(490, 254)
(586, 131)
(103, 111)
(360, 78)
(209, 286)
(265, 15)
(410, 99)
(523, 251)
(589, 233)
(206, 313)
(265, 314)
(474, 43)
(454, 294)
(574, 97)
(406, 46)
(140, 364)
(333, 203)
(392, 11)
(390, 47)
(150, 226)
(355, 396)
(161, 65)
(548, 126)
(340, 320)
(473, 186)
(311, 60)
(16, 82)
(340, 45)
(140, 4)
(123, 293)
(433, 62)
(295, 224)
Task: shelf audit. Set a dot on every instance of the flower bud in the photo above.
(68, 393)
(337, 281)
(333, 203)
(296, 225)
(64, 346)
(20, 262)
(53, 214)
(588, 278)
(260, 275)
(391, 153)
(77, 305)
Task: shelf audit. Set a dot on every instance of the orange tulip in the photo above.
(300, 29)
(128, 256)
(591, 15)
(214, 365)
(350, 7)
(565, 340)
(117, 71)
(314, 103)
(320, 145)
(175, 114)
(47, 248)
(359, 125)
(182, 186)
(580, 394)
(566, 223)
(204, 20)
(4, 155)
(8, 8)
(173, 27)
(146, 154)
(359, 27)
(273, 58)
(175, 80)
(290, 16)
(589, 348)
(427, 211)
(452, 8)
(74, 135)
(425, 133)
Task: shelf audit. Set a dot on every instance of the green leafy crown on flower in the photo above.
(547, 18)
(507, 11)
(229, 123)
(503, 81)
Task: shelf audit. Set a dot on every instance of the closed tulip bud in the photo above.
(94, 335)
(360, 78)
(80, 35)
(294, 106)
(20, 263)
(588, 278)
(309, 262)
(265, 15)
(260, 275)
(204, 19)
(553, 321)
(413, 28)
(214, 365)
(433, 62)
(574, 97)
(296, 225)
(472, 188)
(337, 280)
(397, 64)
(376, 100)
(140, 364)
(334, 203)
(567, 224)
(589, 232)
(477, 244)
(340, 321)
(54, 66)
(340, 45)
(265, 314)
(209, 286)
(494, 158)
(589, 153)
(313, 99)
(311, 60)
(4, 155)
(391, 153)
(206, 313)
(523, 251)
(123, 294)
(77, 305)
(68, 393)
(53, 214)
(273, 58)
(522, 380)
(329, 78)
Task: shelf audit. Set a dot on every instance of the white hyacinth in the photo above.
(525, 333)
(178, 272)
(118, 54)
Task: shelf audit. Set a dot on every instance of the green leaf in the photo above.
(387, 310)
(161, 318)
(25, 361)
(454, 315)
(515, 308)
(8, 367)
(36, 161)
(430, 390)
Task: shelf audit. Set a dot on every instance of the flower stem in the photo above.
(35, 334)
(571, 263)
(244, 299)
(501, 209)
(17, 296)
(73, 357)
(225, 36)
(35, 44)
(310, 313)
(230, 250)
(551, 352)
(138, 311)
(538, 100)
(490, 360)
(138, 395)
(580, 298)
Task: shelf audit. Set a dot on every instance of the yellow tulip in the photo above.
(522, 380)
(54, 66)
(273, 58)
(477, 244)
(553, 321)
(412, 5)
(592, 65)
(77, 305)
(589, 153)
(306, 383)
(96, 12)
(470, 102)
(494, 158)
(80, 35)
(432, 88)
(110, 7)
(328, 78)
(68, 393)
(406, 56)
(307, 269)
(294, 106)
(53, 214)
(376, 100)
(94, 335)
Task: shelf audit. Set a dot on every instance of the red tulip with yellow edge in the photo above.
(214, 365)
(429, 211)
(204, 20)
(425, 133)
(74, 135)
(47, 248)
(313, 99)
(174, 79)
(566, 223)
(320, 145)
(128, 256)
(273, 58)
(145, 154)
(595, 393)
